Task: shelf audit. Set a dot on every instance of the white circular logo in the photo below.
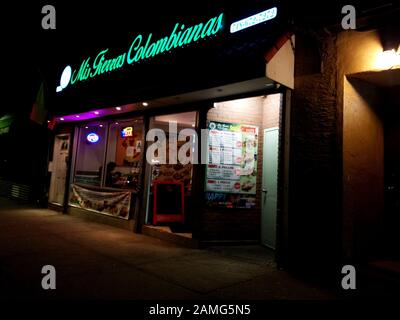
(65, 77)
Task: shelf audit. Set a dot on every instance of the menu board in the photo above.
(232, 158)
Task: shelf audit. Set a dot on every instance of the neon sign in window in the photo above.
(92, 137)
(127, 132)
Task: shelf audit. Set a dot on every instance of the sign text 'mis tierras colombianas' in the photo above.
(141, 48)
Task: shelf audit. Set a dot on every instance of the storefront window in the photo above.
(241, 140)
(124, 154)
(110, 154)
(173, 173)
(90, 154)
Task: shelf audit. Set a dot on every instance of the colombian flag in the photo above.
(38, 113)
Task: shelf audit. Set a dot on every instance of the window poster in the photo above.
(129, 146)
(232, 164)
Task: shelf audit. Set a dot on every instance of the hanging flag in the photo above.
(38, 113)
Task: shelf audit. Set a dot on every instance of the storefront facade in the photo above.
(320, 181)
(104, 165)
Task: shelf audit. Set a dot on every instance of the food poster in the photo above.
(129, 146)
(116, 204)
(174, 172)
(232, 163)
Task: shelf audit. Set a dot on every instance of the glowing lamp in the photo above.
(388, 59)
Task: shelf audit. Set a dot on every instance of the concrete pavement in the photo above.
(95, 261)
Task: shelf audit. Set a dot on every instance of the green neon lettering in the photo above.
(121, 60)
(80, 76)
(196, 34)
(160, 46)
(185, 35)
(150, 51)
(219, 24)
(73, 77)
(172, 37)
(208, 28)
(97, 64)
(140, 54)
(177, 40)
(87, 70)
(143, 53)
(104, 67)
(113, 62)
(139, 40)
(179, 36)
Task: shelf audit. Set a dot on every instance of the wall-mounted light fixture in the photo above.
(388, 59)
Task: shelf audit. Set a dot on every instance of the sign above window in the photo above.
(141, 48)
(254, 20)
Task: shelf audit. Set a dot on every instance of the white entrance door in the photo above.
(58, 168)
(269, 187)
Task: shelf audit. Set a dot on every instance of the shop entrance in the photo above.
(59, 169)
(169, 181)
(371, 164)
(269, 189)
(242, 169)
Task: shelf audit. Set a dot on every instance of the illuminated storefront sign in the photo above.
(92, 137)
(141, 48)
(253, 20)
(127, 132)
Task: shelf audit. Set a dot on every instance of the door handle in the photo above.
(265, 190)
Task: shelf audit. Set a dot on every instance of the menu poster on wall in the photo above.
(230, 200)
(232, 161)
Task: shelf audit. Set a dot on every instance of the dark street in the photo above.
(95, 261)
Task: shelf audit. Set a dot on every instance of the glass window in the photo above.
(172, 172)
(90, 154)
(124, 154)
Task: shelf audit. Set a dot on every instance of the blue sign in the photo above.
(93, 137)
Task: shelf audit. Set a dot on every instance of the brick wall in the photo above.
(315, 163)
(241, 224)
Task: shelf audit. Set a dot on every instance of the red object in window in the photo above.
(170, 197)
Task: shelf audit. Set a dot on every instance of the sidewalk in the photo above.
(95, 261)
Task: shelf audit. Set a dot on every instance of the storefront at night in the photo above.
(230, 73)
(302, 149)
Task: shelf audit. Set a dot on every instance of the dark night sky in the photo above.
(29, 53)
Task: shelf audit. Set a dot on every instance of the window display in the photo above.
(124, 154)
(108, 157)
(231, 172)
(171, 173)
(90, 154)
(110, 154)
